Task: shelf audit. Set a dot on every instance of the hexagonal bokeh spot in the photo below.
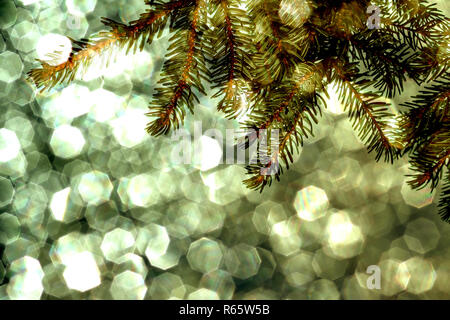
(5, 89)
(204, 255)
(65, 247)
(285, 236)
(9, 145)
(345, 174)
(130, 12)
(153, 240)
(243, 261)
(26, 282)
(80, 7)
(23, 129)
(30, 202)
(421, 235)
(82, 273)
(421, 275)
(267, 267)
(223, 186)
(128, 285)
(67, 141)
(169, 259)
(19, 248)
(126, 136)
(8, 14)
(219, 281)
(394, 276)
(344, 238)
(167, 286)
(9, 228)
(323, 289)
(66, 206)
(116, 244)
(24, 92)
(95, 187)
(25, 35)
(53, 281)
(54, 49)
(184, 219)
(298, 269)
(208, 153)
(52, 20)
(417, 198)
(6, 192)
(198, 219)
(102, 217)
(203, 294)
(132, 262)
(311, 203)
(327, 267)
(266, 215)
(142, 190)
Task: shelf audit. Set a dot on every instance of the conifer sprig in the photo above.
(273, 59)
(291, 109)
(444, 202)
(365, 109)
(231, 65)
(427, 130)
(120, 36)
(183, 71)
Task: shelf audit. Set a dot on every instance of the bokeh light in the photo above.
(92, 207)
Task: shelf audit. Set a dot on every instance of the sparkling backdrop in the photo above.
(91, 207)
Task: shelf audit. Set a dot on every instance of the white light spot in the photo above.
(81, 272)
(9, 145)
(143, 190)
(207, 153)
(95, 187)
(105, 105)
(58, 204)
(345, 239)
(311, 203)
(67, 141)
(54, 49)
(128, 129)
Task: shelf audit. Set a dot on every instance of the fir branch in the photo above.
(426, 112)
(419, 27)
(273, 110)
(386, 60)
(49, 76)
(120, 36)
(278, 43)
(368, 114)
(266, 61)
(430, 158)
(264, 171)
(426, 129)
(231, 65)
(182, 72)
(432, 62)
(292, 110)
(444, 201)
(425, 30)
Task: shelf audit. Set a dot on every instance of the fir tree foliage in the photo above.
(273, 60)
